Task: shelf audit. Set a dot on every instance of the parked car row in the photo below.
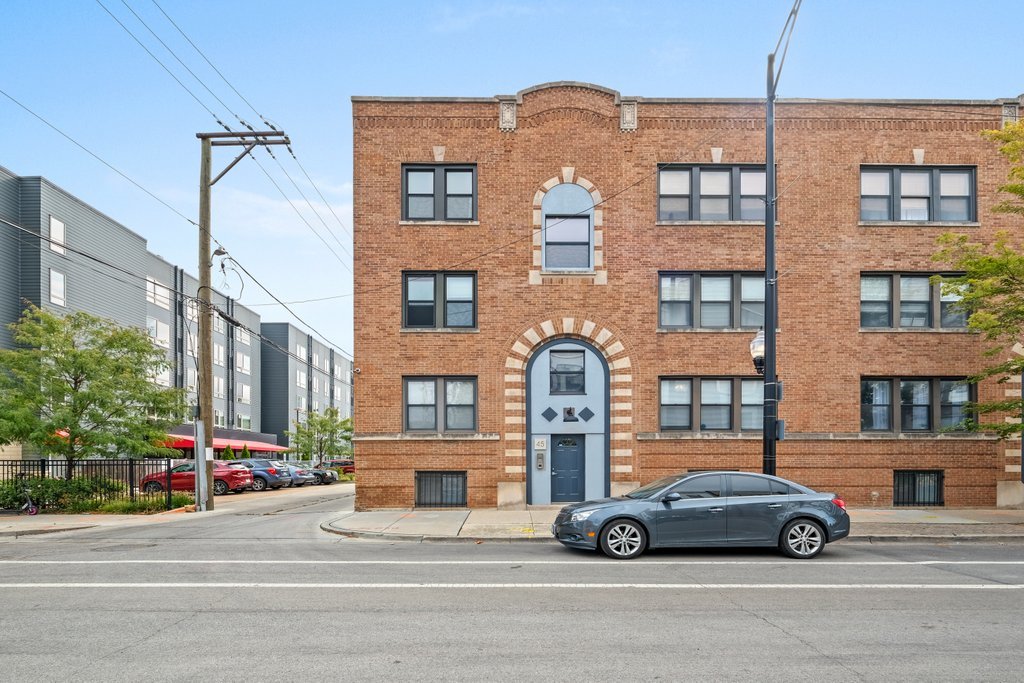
(255, 474)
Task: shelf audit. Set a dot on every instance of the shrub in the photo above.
(228, 453)
(82, 494)
(145, 505)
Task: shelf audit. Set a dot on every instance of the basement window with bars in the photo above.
(918, 488)
(440, 489)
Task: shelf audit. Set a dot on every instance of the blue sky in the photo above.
(299, 63)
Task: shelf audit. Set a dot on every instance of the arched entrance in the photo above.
(567, 423)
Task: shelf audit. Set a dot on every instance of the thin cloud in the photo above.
(462, 18)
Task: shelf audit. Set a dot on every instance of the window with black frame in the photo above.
(914, 301)
(917, 193)
(568, 372)
(711, 193)
(926, 404)
(439, 300)
(440, 404)
(439, 192)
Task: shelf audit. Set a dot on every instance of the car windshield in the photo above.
(654, 486)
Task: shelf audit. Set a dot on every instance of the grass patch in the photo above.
(145, 505)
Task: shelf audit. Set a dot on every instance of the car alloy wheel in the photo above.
(803, 539)
(258, 484)
(152, 487)
(623, 539)
(219, 487)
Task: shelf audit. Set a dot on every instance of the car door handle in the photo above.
(773, 506)
(714, 509)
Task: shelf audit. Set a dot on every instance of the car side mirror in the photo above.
(671, 497)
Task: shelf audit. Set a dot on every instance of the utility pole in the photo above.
(772, 394)
(205, 421)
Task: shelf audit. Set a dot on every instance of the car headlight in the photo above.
(580, 516)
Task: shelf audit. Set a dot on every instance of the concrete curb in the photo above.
(872, 538)
(37, 532)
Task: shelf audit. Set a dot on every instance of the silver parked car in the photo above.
(736, 509)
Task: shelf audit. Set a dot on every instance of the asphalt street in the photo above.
(256, 591)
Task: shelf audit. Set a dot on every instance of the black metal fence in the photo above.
(99, 480)
(441, 489)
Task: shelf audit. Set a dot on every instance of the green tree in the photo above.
(245, 451)
(992, 287)
(78, 386)
(321, 435)
(228, 453)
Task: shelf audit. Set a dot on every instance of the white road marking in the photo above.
(596, 562)
(584, 586)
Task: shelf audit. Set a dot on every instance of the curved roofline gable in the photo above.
(562, 84)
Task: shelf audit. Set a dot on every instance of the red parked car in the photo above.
(346, 466)
(227, 476)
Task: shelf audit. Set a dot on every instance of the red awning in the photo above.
(236, 445)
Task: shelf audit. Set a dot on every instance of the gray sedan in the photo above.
(735, 509)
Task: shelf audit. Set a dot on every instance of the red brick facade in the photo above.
(584, 135)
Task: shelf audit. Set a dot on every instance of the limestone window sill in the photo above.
(915, 330)
(439, 330)
(428, 436)
(453, 224)
(753, 224)
(919, 224)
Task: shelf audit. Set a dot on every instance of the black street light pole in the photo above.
(770, 435)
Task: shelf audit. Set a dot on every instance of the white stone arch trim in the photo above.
(567, 175)
(620, 383)
(1014, 389)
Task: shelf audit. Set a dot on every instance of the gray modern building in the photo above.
(301, 375)
(42, 230)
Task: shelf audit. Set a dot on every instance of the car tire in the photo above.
(802, 539)
(219, 487)
(152, 487)
(318, 478)
(259, 484)
(623, 539)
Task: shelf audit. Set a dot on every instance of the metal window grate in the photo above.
(918, 487)
(441, 489)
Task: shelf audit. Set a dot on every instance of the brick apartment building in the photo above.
(557, 290)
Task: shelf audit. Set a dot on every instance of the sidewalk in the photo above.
(534, 524)
(24, 525)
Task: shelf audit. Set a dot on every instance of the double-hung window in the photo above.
(713, 300)
(926, 404)
(711, 193)
(567, 243)
(439, 192)
(158, 294)
(57, 235)
(243, 363)
(917, 193)
(711, 404)
(918, 305)
(58, 288)
(440, 404)
(439, 300)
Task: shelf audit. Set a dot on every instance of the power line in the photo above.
(97, 157)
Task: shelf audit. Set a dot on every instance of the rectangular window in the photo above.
(244, 392)
(875, 301)
(919, 304)
(316, 405)
(716, 301)
(875, 405)
(716, 404)
(300, 402)
(455, 291)
(915, 405)
(300, 379)
(915, 301)
(163, 377)
(219, 325)
(917, 193)
(218, 354)
(191, 310)
(567, 243)
(917, 487)
(752, 404)
(722, 193)
(190, 379)
(452, 398)
(243, 336)
(316, 359)
(159, 332)
(724, 300)
(300, 351)
(58, 288)
(439, 193)
(158, 294)
(316, 384)
(219, 419)
(243, 421)
(218, 387)
(926, 404)
(191, 345)
(57, 235)
(242, 363)
(676, 307)
(676, 404)
(567, 372)
(440, 489)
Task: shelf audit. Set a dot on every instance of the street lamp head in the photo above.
(757, 351)
(220, 251)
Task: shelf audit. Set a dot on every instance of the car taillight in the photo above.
(839, 502)
(271, 470)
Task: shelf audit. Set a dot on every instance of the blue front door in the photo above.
(567, 469)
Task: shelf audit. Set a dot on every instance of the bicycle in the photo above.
(29, 507)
